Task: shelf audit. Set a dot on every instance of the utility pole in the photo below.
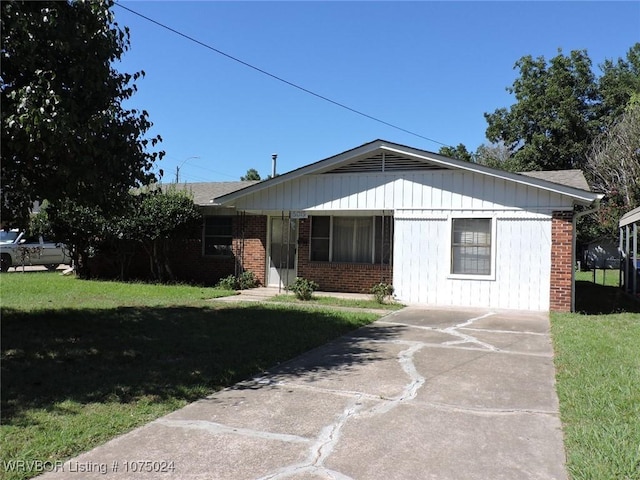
(178, 168)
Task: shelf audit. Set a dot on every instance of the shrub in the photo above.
(381, 291)
(242, 282)
(303, 288)
(247, 280)
(228, 283)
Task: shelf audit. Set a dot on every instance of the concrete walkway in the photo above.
(420, 394)
(261, 294)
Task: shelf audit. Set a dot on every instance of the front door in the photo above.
(282, 251)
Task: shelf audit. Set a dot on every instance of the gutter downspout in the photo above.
(573, 248)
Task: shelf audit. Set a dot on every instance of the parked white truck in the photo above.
(16, 249)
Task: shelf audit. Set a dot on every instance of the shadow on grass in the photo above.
(594, 299)
(126, 354)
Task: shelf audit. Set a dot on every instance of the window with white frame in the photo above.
(351, 239)
(218, 235)
(471, 246)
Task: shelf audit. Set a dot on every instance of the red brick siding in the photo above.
(190, 265)
(338, 277)
(561, 261)
(250, 248)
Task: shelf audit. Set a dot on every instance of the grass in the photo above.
(84, 361)
(42, 290)
(336, 302)
(597, 357)
(607, 277)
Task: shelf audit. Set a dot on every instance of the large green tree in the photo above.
(620, 81)
(460, 152)
(555, 115)
(66, 134)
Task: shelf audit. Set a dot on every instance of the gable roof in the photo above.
(384, 156)
(204, 192)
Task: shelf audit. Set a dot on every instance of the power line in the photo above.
(280, 79)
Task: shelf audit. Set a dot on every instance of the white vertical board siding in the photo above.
(444, 189)
(423, 202)
(418, 258)
(522, 277)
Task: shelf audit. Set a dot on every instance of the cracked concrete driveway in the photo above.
(421, 393)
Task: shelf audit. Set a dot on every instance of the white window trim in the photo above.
(467, 276)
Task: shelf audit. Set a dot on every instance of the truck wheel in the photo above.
(52, 267)
(5, 262)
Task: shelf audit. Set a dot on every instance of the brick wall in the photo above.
(188, 263)
(561, 261)
(250, 247)
(338, 277)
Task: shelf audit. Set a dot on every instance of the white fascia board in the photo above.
(326, 164)
(581, 196)
(630, 217)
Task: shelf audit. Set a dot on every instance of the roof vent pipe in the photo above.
(274, 157)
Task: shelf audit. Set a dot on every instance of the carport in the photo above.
(630, 263)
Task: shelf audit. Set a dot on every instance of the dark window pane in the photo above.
(320, 230)
(218, 235)
(320, 249)
(320, 226)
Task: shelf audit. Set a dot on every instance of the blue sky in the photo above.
(433, 68)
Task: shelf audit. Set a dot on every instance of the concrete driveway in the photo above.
(420, 394)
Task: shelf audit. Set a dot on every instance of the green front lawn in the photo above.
(84, 361)
(598, 382)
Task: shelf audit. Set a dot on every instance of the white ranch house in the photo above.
(442, 231)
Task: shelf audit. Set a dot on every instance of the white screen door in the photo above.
(282, 251)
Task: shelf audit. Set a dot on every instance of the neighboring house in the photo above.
(442, 231)
(629, 243)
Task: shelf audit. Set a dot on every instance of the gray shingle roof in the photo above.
(204, 192)
(569, 178)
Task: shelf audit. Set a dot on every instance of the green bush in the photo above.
(381, 291)
(303, 288)
(247, 280)
(228, 283)
(244, 281)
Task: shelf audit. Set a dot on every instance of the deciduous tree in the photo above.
(252, 174)
(613, 168)
(459, 152)
(554, 118)
(158, 221)
(66, 134)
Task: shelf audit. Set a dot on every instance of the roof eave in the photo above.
(581, 197)
(630, 217)
(324, 164)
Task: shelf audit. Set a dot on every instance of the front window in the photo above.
(218, 236)
(351, 239)
(471, 246)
